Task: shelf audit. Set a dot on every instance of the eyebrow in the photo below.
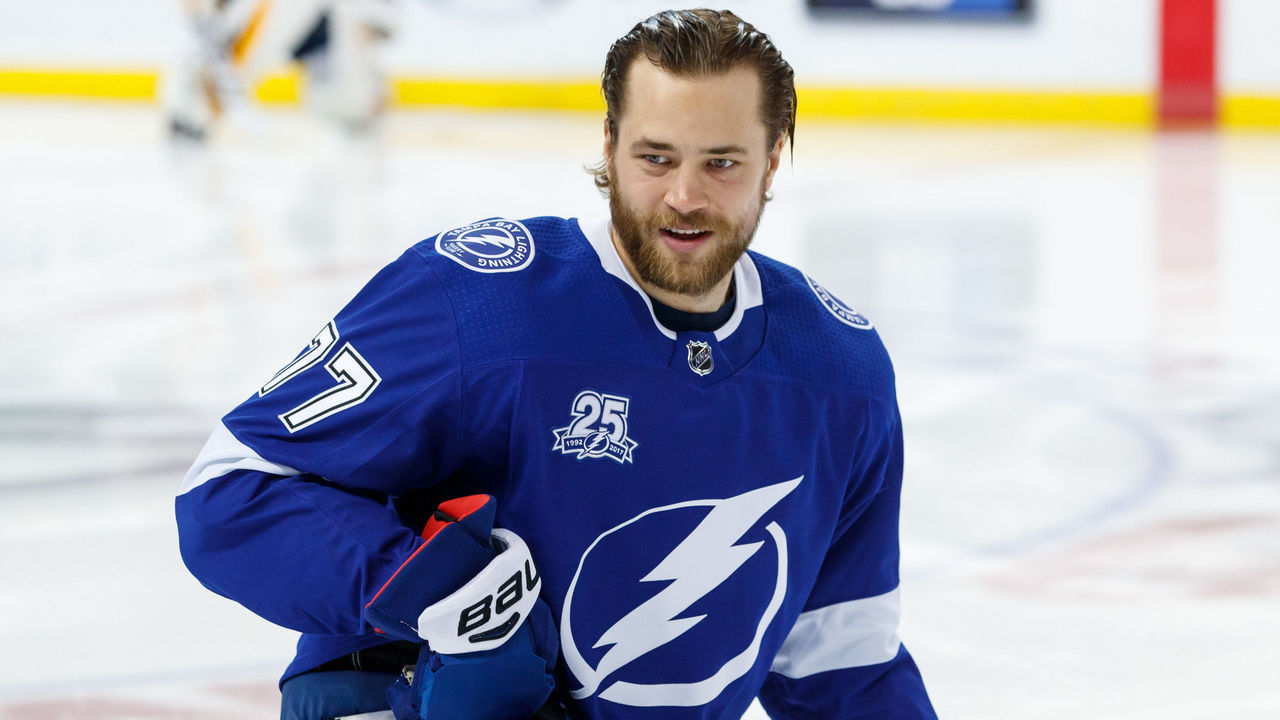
(647, 144)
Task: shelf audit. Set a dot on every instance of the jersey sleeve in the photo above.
(289, 508)
(843, 658)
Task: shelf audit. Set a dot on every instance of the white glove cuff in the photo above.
(482, 614)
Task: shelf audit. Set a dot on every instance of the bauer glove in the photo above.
(471, 592)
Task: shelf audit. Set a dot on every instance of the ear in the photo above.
(608, 139)
(775, 159)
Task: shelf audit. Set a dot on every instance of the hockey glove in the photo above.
(471, 592)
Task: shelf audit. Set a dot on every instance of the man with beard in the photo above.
(621, 467)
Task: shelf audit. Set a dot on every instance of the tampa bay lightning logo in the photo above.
(726, 574)
(842, 312)
(489, 246)
(598, 428)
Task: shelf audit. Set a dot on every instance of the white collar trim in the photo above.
(745, 276)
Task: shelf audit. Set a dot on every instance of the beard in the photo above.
(657, 265)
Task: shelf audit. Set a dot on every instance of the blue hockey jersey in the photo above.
(714, 514)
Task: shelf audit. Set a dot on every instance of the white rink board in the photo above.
(1094, 45)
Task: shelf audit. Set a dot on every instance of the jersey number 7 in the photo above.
(355, 376)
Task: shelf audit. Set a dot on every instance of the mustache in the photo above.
(698, 219)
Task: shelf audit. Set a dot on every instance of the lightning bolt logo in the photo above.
(495, 245)
(596, 444)
(699, 564)
(842, 312)
(488, 240)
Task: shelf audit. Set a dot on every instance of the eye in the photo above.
(723, 163)
(656, 159)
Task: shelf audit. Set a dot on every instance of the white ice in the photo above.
(1085, 325)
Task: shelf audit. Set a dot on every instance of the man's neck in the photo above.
(707, 302)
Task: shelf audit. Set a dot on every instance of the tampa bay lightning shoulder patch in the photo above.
(489, 246)
(842, 312)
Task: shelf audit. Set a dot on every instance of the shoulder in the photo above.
(501, 262)
(464, 266)
(507, 261)
(519, 288)
(503, 246)
(816, 337)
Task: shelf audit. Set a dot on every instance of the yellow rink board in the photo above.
(916, 105)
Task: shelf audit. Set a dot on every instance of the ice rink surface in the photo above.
(1085, 326)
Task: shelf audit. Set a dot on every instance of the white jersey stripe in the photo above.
(749, 294)
(224, 453)
(845, 635)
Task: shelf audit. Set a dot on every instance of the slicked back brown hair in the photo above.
(698, 43)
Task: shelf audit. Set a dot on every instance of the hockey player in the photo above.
(232, 44)
(678, 461)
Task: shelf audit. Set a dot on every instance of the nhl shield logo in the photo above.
(700, 357)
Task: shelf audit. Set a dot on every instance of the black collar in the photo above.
(681, 321)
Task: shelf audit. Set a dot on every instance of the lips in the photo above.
(685, 237)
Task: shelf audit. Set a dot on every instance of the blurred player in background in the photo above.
(623, 466)
(233, 44)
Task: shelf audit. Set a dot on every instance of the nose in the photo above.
(686, 193)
